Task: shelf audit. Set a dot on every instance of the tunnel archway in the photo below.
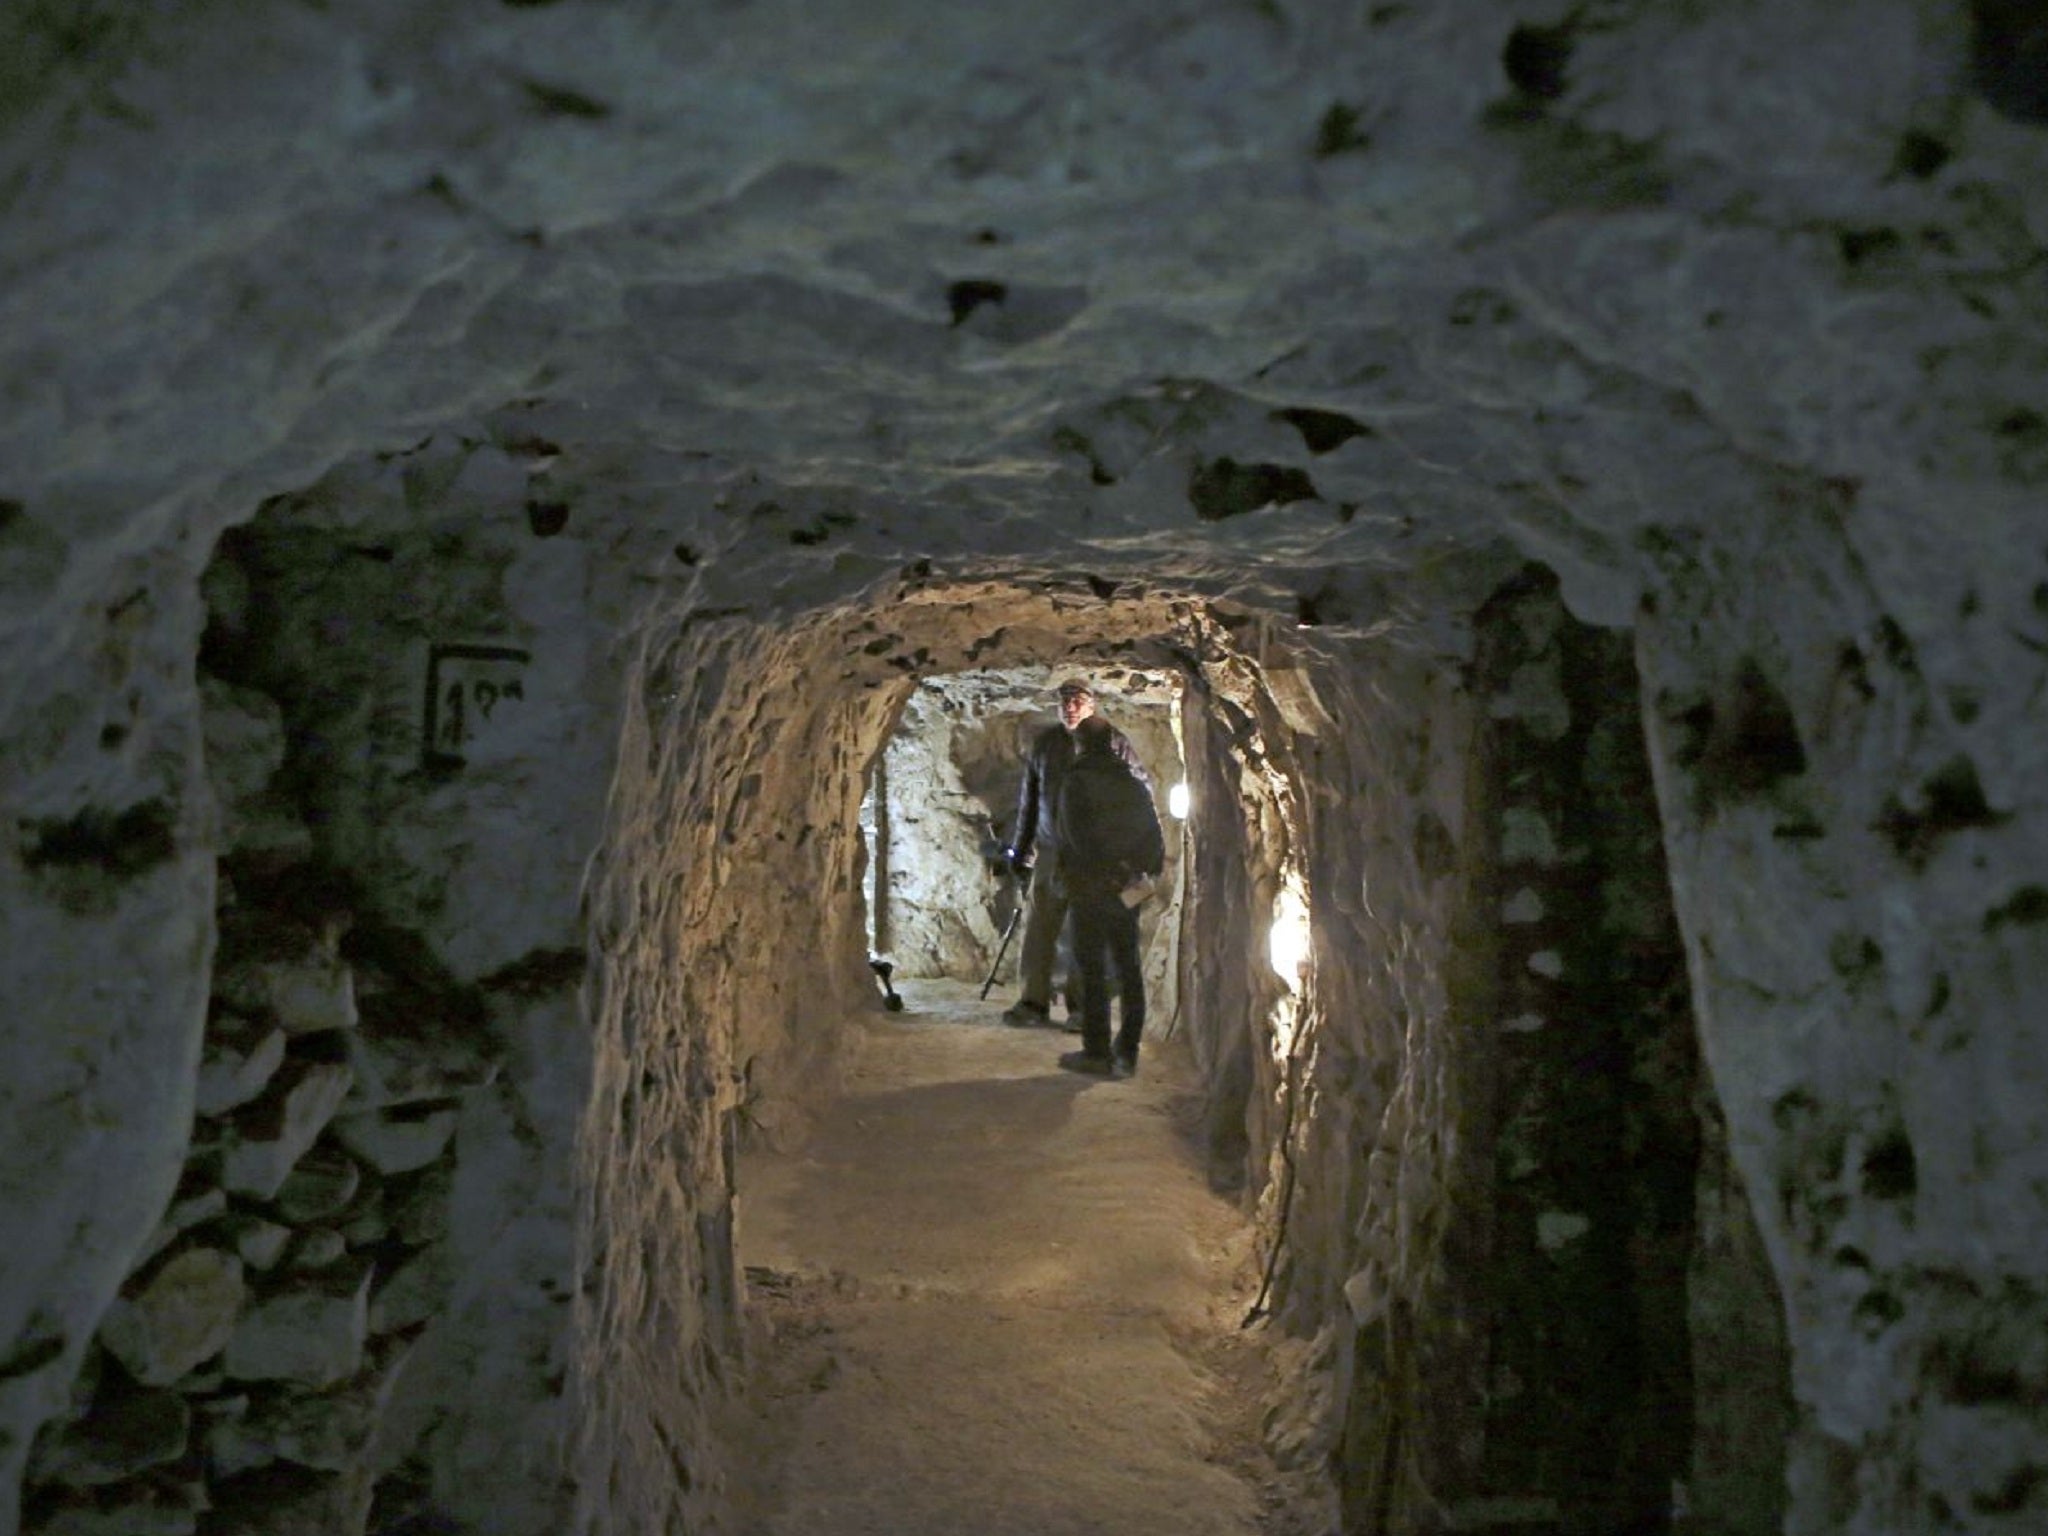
(1461, 1209)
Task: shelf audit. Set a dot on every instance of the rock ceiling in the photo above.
(1017, 283)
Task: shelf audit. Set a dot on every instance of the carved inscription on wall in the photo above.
(474, 696)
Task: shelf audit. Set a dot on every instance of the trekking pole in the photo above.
(1016, 917)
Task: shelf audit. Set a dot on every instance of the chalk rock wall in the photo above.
(726, 902)
(1850, 776)
(308, 1339)
(1391, 1201)
(244, 1372)
(1355, 1100)
(1594, 1402)
(1227, 987)
(108, 886)
(950, 774)
(732, 852)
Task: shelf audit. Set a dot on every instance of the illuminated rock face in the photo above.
(585, 390)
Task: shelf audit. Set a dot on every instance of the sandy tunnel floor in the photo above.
(989, 1296)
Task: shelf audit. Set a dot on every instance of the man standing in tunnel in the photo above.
(1035, 844)
(1110, 849)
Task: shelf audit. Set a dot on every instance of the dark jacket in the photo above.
(1107, 832)
(1045, 768)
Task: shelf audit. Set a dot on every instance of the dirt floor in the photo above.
(989, 1296)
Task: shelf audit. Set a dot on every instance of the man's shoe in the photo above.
(1126, 1063)
(1026, 1016)
(1089, 1063)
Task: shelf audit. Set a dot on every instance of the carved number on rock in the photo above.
(467, 686)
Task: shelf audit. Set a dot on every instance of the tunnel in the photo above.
(533, 536)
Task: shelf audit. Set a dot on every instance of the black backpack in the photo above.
(1108, 830)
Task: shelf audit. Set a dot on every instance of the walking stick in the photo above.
(1023, 885)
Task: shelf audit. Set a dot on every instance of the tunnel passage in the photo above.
(461, 1178)
(753, 848)
(1462, 1099)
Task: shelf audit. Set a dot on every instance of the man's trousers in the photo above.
(1043, 919)
(1105, 944)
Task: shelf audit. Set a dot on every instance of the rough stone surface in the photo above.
(1597, 1388)
(1742, 1401)
(312, 1333)
(269, 1141)
(183, 1215)
(392, 1144)
(230, 1448)
(129, 1519)
(320, 1186)
(497, 1355)
(283, 1500)
(951, 773)
(128, 1431)
(236, 1070)
(316, 1248)
(1850, 867)
(412, 1211)
(182, 1317)
(331, 1431)
(305, 997)
(245, 746)
(413, 1293)
(260, 1243)
(396, 1067)
(96, 1095)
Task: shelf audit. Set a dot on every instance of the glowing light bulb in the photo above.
(1177, 802)
(1288, 944)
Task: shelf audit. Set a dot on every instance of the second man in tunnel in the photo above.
(1035, 846)
(1110, 851)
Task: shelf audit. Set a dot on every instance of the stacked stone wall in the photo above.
(1595, 1117)
(400, 738)
(242, 1379)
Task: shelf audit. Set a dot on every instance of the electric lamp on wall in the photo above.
(1288, 943)
(1177, 802)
